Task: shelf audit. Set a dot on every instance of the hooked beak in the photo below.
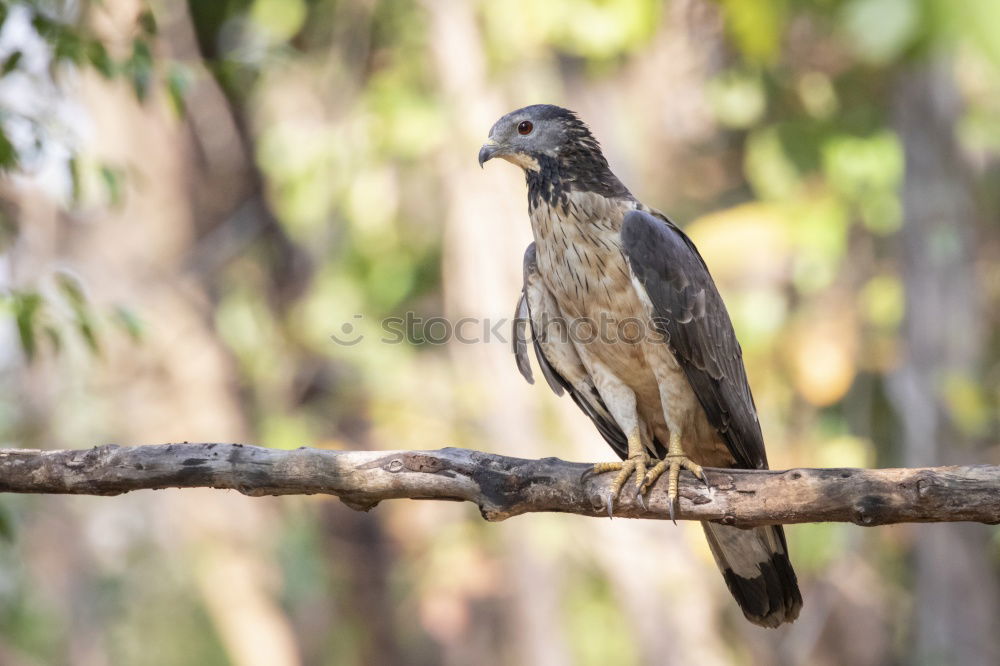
(488, 152)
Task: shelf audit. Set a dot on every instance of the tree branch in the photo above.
(502, 486)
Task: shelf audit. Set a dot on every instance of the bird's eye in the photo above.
(525, 127)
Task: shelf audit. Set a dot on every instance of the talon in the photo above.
(640, 473)
(670, 507)
(636, 463)
(678, 461)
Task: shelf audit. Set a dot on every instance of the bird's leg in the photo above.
(637, 462)
(674, 461)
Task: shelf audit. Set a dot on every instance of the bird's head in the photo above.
(556, 151)
(535, 134)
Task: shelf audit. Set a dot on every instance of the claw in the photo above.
(671, 508)
(635, 463)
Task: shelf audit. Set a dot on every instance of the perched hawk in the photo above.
(626, 318)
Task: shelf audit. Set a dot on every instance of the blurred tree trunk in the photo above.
(234, 215)
(956, 611)
(482, 268)
(180, 380)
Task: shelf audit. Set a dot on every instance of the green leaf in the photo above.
(27, 305)
(140, 69)
(112, 178)
(98, 56)
(975, 22)
(69, 46)
(141, 51)
(770, 170)
(756, 27)
(10, 63)
(128, 321)
(71, 288)
(85, 326)
(147, 22)
(75, 179)
(9, 158)
(9, 230)
(45, 27)
(54, 336)
(178, 85)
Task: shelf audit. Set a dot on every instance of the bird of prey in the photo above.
(626, 318)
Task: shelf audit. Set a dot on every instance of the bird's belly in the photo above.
(584, 269)
(610, 325)
(605, 318)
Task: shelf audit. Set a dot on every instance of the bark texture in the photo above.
(503, 486)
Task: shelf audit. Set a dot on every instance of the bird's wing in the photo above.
(557, 357)
(519, 340)
(688, 311)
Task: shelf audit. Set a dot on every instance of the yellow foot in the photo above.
(672, 464)
(636, 463)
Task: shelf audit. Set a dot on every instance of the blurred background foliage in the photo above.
(197, 200)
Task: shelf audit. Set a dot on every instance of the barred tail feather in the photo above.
(758, 572)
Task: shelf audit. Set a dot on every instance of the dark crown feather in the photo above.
(579, 164)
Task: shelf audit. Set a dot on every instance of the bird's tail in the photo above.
(758, 572)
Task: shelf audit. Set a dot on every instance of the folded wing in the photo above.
(557, 357)
(688, 310)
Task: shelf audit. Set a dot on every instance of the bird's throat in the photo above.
(547, 184)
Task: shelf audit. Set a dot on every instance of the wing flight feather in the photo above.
(688, 311)
(557, 357)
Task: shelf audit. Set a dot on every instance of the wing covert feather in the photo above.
(690, 313)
